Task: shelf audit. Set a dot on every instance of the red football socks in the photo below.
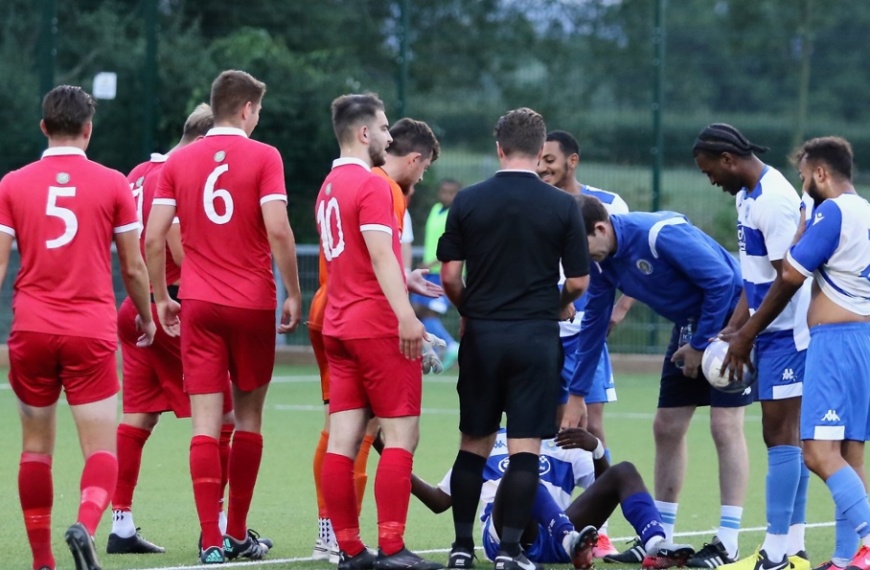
(244, 466)
(37, 496)
(99, 479)
(131, 440)
(392, 494)
(225, 441)
(205, 471)
(340, 495)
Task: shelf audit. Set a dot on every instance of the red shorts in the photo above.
(316, 337)
(153, 378)
(217, 338)
(372, 373)
(41, 364)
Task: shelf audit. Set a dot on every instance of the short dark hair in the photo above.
(198, 122)
(521, 131)
(348, 111)
(66, 109)
(718, 138)
(567, 143)
(231, 90)
(410, 136)
(834, 152)
(593, 211)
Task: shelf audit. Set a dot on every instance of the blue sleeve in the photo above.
(450, 245)
(593, 329)
(819, 241)
(687, 249)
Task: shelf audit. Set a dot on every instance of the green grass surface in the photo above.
(284, 506)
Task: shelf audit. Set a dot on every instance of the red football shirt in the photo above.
(64, 211)
(143, 183)
(217, 187)
(351, 201)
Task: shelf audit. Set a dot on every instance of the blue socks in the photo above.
(845, 540)
(851, 499)
(783, 478)
(436, 327)
(641, 513)
(799, 513)
(547, 513)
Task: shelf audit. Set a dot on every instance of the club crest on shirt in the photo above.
(328, 190)
(644, 266)
(544, 465)
(62, 178)
(219, 156)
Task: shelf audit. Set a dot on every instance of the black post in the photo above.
(149, 76)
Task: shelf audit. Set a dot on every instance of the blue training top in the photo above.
(662, 260)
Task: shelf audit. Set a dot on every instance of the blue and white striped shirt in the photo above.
(767, 219)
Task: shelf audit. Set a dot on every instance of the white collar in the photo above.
(226, 131)
(63, 151)
(350, 160)
(157, 157)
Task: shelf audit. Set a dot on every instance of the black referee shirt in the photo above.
(512, 230)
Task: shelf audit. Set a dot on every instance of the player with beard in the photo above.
(835, 251)
(372, 337)
(768, 215)
(413, 149)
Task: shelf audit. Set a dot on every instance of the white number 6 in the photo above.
(210, 195)
(68, 216)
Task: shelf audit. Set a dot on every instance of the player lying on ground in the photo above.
(575, 458)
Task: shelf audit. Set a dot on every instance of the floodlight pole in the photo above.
(658, 150)
(149, 76)
(402, 80)
(47, 49)
(658, 62)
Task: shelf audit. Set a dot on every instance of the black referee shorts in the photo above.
(512, 367)
(677, 390)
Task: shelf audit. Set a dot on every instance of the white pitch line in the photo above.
(646, 416)
(443, 550)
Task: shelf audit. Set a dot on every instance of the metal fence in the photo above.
(643, 332)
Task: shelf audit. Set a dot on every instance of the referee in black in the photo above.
(511, 232)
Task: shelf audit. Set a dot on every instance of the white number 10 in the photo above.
(327, 211)
(210, 195)
(68, 216)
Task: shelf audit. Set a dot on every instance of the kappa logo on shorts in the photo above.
(788, 374)
(831, 416)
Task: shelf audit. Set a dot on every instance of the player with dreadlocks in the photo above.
(768, 217)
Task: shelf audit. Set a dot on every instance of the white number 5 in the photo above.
(68, 216)
(210, 195)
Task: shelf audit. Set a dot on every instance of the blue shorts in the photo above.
(677, 390)
(780, 366)
(439, 304)
(603, 388)
(836, 403)
(545, 550)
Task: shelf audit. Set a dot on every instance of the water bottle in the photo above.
(687, 331)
